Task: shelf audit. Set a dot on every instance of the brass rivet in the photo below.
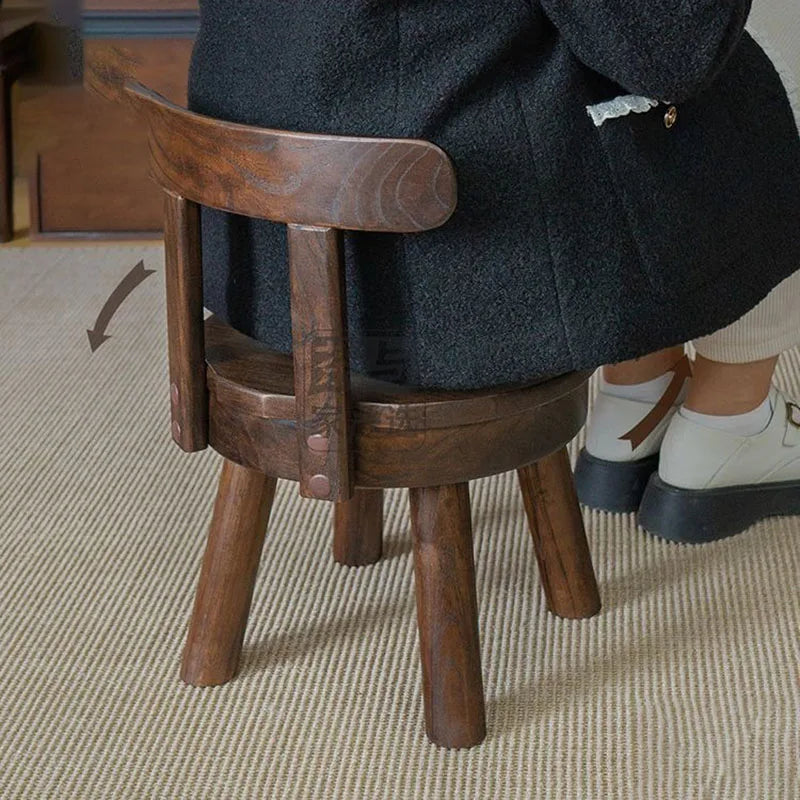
(318, 443)
(175, 394)
(320, 486)
(671, 117)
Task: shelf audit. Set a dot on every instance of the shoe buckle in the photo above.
(793, 414)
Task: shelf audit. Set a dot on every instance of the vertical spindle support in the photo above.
(321, 363)
(185, 325)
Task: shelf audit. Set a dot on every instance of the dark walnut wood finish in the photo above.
(321, 371)
(17, 56)
(187, 366)
(358, 528)
(447, 615)
(554, 516)
(345, 437)
(230, 564)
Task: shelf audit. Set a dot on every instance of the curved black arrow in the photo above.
(97, 335)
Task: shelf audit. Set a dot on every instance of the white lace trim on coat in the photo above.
(632, 103)
(620, 107)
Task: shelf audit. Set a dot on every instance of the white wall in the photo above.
(780, 19)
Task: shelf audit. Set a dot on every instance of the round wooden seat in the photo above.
(404, 437)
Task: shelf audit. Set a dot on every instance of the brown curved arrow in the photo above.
(637, 434)
(97, 335)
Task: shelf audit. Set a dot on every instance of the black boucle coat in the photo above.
(573, 244)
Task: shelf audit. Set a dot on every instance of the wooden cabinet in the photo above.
(87, 158)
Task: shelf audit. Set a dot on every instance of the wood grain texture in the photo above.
(402, 437)
(260, 381)
(559, 537)
(447, 614)
(185, 327)
(323, 405)
(303, 416)
(389, 459)
(227, 577)
(358, 529)
(351, 183)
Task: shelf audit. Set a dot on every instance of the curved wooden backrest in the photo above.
(350, 183)
(318, 186)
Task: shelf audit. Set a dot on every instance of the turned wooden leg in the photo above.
(358, 528)
(230, 564)
(447, 612)
(565, 564)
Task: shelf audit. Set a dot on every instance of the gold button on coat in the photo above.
(670, 117)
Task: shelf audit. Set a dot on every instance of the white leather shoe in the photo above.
(712, 484)
(623, 439)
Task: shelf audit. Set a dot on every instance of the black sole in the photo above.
(612, 485)
(695, 516)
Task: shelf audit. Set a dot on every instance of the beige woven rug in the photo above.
(685, 686)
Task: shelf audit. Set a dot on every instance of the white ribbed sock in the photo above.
(648, 391)
(747, 424)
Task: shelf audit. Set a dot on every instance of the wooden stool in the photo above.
(346, 437)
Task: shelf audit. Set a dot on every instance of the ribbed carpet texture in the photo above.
(687, 685)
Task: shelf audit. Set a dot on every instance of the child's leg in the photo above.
(628, 420)
(732, 377)
(734, 366)
(763, 332)
(643, 369)
(724, 389)
(731, 455)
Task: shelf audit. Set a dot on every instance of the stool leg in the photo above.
(556, 524)
(358, 528)
(447, 613)
(230, 564)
